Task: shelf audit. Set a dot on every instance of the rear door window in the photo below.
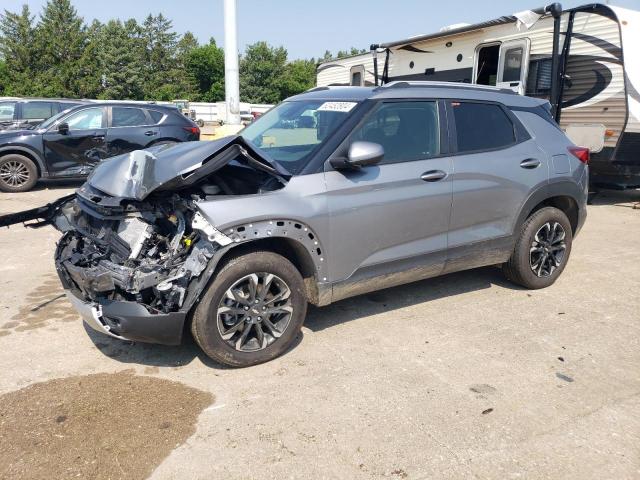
(406, 130)
(128, 117)
(37, 110)
(482, 126)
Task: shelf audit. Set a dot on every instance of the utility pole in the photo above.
(231, 71)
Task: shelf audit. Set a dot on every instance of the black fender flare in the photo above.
(556, 189)
(44, 172)
(277, 229)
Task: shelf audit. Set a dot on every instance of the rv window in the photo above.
(539, 79)
(406, 130)
(487, 67)
(512, 65)
(481, 126)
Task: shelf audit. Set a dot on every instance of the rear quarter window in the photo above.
(482, 126)
(156, 116)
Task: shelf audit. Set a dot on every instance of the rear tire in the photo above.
(237, 329)
(542, 249)
(17, 173)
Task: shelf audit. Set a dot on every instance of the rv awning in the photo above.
(457, 31)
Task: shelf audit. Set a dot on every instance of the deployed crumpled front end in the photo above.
(136, 250)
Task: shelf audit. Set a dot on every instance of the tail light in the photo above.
(193, 130)
(581, 153)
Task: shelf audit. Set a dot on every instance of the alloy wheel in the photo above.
(547, 249)
(14, 173)
(254, 312)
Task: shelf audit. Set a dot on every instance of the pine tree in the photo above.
(60, 41)
(160, 43)
(17, 48)
(88, 82)
(185, 84)
(120, 60)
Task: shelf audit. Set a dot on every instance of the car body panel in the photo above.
(353, 230)
(77, 152)
(74, 153)
(396, 214)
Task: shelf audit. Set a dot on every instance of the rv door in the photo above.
(357, 76)
(513, 65)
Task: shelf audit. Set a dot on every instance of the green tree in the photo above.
(185, 84)
(261, 68)
(88, 83)
(297, 76)
(4, 77)
(60, 42)
(17, 48)
(120, 60)
(160, 44)
(205, 65)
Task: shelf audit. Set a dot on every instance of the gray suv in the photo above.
(331, 194)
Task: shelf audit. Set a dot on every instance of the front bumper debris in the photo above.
(130, 321)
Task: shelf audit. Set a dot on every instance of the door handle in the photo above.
(530, 163)
(150, 133)
(433, 175)
(97, 138)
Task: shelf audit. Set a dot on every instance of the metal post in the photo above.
(374, 52)
(555, 9)
(231, 71)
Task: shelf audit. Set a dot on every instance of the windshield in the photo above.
(291, 132)
(47, 123)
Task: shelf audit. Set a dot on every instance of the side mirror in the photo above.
(361, 154)
(63, 128)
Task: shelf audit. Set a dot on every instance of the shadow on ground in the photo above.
(317, 318)
(619, 198)
(52, 184)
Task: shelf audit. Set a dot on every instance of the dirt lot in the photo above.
(464, 376)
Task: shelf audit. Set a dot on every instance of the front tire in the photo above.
(17, 173)
(542, 249)
(252, 311)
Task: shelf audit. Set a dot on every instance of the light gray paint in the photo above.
(383, 225)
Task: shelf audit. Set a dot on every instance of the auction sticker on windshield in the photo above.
(336, 106)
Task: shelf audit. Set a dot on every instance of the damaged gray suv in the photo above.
(333, 193)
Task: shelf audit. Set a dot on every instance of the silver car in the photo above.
(331, 194)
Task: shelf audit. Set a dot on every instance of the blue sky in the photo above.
(308, 28)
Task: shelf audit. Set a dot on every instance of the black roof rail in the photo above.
(453, 85)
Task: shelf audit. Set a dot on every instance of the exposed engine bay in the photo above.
(148, 251)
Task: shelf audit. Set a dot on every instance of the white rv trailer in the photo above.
(593, 88)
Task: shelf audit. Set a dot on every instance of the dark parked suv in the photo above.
(29, 112)
(333, 193)
(72, 142)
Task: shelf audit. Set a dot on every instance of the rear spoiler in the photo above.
(40, 215)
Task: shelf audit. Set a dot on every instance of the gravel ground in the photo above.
(463, 376)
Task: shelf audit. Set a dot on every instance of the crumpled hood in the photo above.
(136, 174)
